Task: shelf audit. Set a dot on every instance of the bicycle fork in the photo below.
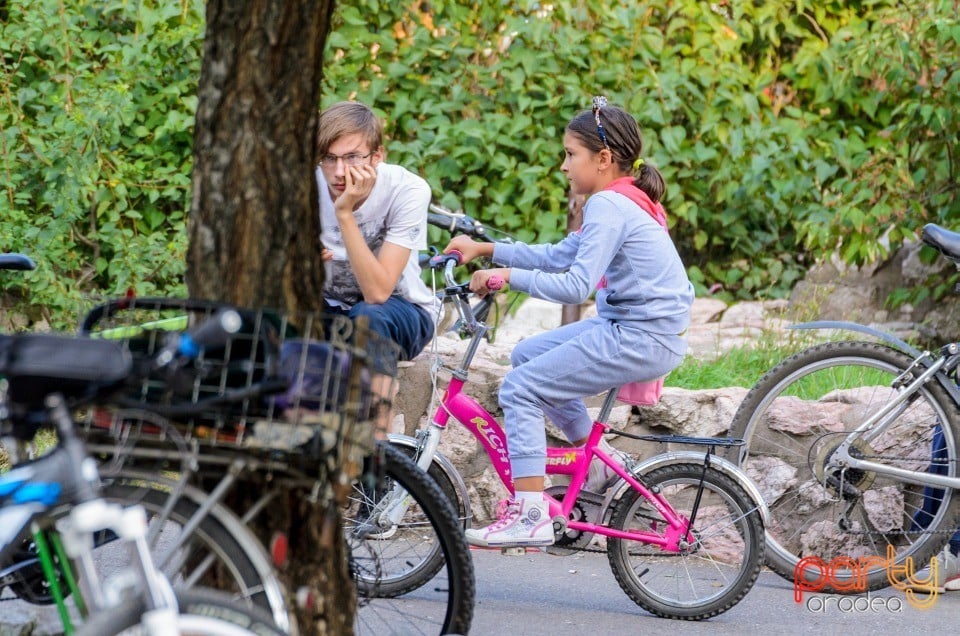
(391, 508)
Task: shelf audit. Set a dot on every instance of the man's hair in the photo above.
(347, 118)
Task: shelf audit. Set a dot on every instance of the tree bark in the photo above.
(254, 224)
(254, 232)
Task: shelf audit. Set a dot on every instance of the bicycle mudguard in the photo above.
(889, 338)
(681, 457)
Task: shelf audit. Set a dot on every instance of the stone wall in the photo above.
(833, 290)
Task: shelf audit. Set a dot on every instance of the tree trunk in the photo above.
(254, 232)
(254, 222)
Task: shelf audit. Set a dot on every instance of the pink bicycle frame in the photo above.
(560, 461)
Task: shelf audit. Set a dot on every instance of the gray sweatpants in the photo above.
(554, 370)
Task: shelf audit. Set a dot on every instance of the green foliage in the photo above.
(890, 125)
(784, 129)
(96, 127)
(772, 150)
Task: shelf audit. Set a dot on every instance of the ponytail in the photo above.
(649, 179)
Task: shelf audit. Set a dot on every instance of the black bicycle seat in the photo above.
(943, 240)
(16, 261)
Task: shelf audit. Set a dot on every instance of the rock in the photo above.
(833, 290)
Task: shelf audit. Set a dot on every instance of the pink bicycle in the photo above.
(684, 530)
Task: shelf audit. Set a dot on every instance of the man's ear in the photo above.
(379, 155)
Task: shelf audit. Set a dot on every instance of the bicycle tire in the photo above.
(392, 598)
(847, 381)
(203, 612)
(241, 568)
(712, 575)
(240, 565)
(423, 566)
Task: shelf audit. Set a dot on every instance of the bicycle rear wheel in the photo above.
(415, 576)
(710, 576)
(220, 552)
(797, 415)
(215, 550)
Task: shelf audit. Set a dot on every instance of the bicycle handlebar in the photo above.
(453, 258)
(211, 333)
(95, 370)
(456, 223)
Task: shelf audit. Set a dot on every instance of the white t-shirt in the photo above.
(395, 212)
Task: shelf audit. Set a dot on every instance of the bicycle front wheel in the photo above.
(796, 417)
(712, 574)
(202, 612)
(215, 549)
(415, 576)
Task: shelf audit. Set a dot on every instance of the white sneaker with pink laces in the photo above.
(519, 523)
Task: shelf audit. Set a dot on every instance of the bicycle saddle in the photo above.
(943, 240)
(16, 261)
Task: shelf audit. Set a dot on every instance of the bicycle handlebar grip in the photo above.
(440, 260)
(495, 283)
(211, 333)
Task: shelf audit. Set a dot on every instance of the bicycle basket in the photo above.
(290, 382)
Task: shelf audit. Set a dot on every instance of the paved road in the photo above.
(539, 594)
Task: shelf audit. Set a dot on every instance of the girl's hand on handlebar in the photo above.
(486, 280)
(468, 247)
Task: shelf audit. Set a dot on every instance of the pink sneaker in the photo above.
(519, 523)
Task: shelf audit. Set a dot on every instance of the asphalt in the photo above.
(537, 594)
(540, 594)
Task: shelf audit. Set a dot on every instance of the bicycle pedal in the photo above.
(513, 551)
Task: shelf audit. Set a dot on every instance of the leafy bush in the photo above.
(96, 128)
(784, 129)
(773, 151)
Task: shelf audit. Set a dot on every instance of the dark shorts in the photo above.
(397, 319)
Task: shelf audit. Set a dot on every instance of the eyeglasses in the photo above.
(352, 159)
(599, 102)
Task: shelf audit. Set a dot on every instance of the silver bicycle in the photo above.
(855, 445)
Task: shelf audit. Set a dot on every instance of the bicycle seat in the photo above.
(16, 261)
(943, 240)
(36, 365)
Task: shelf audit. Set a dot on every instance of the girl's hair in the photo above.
(347, 118)
(621, 136)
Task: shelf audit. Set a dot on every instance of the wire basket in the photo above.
(297, 383)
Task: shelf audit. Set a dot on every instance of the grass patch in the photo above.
(740, 366)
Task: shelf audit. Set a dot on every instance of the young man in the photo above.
(373, 217)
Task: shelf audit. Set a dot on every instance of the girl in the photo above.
(643, 303)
